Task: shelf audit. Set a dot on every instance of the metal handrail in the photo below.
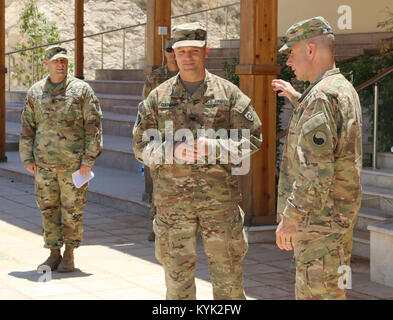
(124, 36)
(73, 39)
(122, 28)
(375, 79)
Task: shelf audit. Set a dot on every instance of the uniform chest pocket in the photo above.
(44, 110)
(217, 116)
(72, 109)
(173, 115)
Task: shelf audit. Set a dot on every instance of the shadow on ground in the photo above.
(268, 271)
(47, 275)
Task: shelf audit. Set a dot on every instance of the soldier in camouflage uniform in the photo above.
(163, 73)
(61, 133)
(157, 77)
(319, 191)
(189, 196)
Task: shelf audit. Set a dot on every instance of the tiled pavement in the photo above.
(117, 262)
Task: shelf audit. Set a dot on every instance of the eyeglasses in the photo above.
(169, 50)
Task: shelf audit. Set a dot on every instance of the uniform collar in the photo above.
(326, 74)
(53, 88)
(178, 90)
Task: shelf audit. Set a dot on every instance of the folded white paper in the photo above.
(79, 180)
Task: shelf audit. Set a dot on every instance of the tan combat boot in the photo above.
(54, 259)
(67, 263)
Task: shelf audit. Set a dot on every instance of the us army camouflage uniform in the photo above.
(189, 196)
(319, 185)
(155, 78)
(61, 129)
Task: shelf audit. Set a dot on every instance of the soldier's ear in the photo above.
(207, 50)
(311, 50)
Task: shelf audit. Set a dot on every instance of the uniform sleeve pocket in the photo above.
(313, 123)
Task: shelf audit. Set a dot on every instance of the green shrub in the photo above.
(36, 31)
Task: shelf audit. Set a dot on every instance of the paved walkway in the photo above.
(117, 262)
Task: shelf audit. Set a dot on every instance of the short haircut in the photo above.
(324, 41)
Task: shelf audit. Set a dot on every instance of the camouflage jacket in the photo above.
(217, 104)
(319, 184)
(155, 78)
(60, 124)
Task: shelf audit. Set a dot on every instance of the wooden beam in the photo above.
(158, 15)
(78, 52)
(257, 68)
(3, 71)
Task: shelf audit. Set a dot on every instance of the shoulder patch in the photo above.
(248, 115)
(319, 138)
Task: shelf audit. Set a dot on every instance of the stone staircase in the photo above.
(377, 202)
(118, 181)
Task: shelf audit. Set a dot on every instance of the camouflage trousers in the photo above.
(58, 198)
(224, 243)
(321, 264)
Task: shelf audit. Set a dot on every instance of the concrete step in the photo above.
(118, 74)
(12, 129)
(126, 110)
(11, 145)
(230, 43)
(109, 100)
(117, 152)
(115, 188)
(138, 75)
(224, 53)
(382, 178)
(377, 198)
(217, 63)
(349, 52)
(15, 101)
(361, 244)
(385, 160)
(118, 124)
(15, 96)
(130, 87)
(364, 45)
(13, 112)
(368, 216)
(357, 38)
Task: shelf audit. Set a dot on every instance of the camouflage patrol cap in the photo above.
(189, 35)
(306, 29)
(55, 52)
(168, 43)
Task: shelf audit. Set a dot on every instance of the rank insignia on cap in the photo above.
(249, 116)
